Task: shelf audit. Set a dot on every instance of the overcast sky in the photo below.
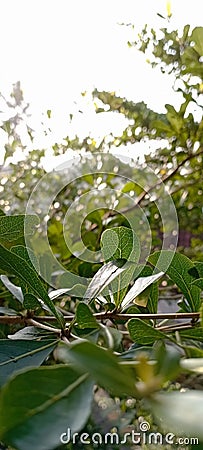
(58, 48)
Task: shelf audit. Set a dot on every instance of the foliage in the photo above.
(89, 344)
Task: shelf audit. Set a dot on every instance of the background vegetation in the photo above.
(139, 363)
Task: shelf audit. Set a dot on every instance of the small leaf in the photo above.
(84, 317)
(120, 243)
(57, 398)
(105, 275)
(20, 354)
(139, 286)
(142, 333)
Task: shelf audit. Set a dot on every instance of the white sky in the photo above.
(58, 48)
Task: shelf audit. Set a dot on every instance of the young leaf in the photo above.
(12, 227)
(20, 354)
(12, 263)
(84, 317)
(105, 275)
(57, 399)
(103, 367)
(120, 243)
(177, 266)
(142, 333)
(139, 286)
(179, 412)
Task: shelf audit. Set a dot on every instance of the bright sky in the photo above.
(58, 48)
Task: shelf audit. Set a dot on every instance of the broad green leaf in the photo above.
(105, 275)
(193, 364)
(103, 367)
(27, 254)
(12, 227)
(39, 405)
(142, 333)
(177, 266)
(16, 291)
(179, 412)
(84, 317)
(139, 286)
(20, 354)
(12, 263)
(31, 302)
(120, 243)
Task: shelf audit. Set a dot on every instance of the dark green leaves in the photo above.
(142, 333)
(15, 264)
(45, 402)
(21, 354)
(84, 317)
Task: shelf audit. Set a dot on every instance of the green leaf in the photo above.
(12, 227)
(84, 317)
(177, 266)
(103, 367)
(195, 333)
(31, 302)
(197, 38)
(142, 333)
(179, 412)
(198, 283)
(105, 275)
(39, 405)
(120, 243)
(12, 263)
(20, 354)
(16, 291)
(139, 286)
(117, 243)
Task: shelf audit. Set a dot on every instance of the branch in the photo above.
(99, 316)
